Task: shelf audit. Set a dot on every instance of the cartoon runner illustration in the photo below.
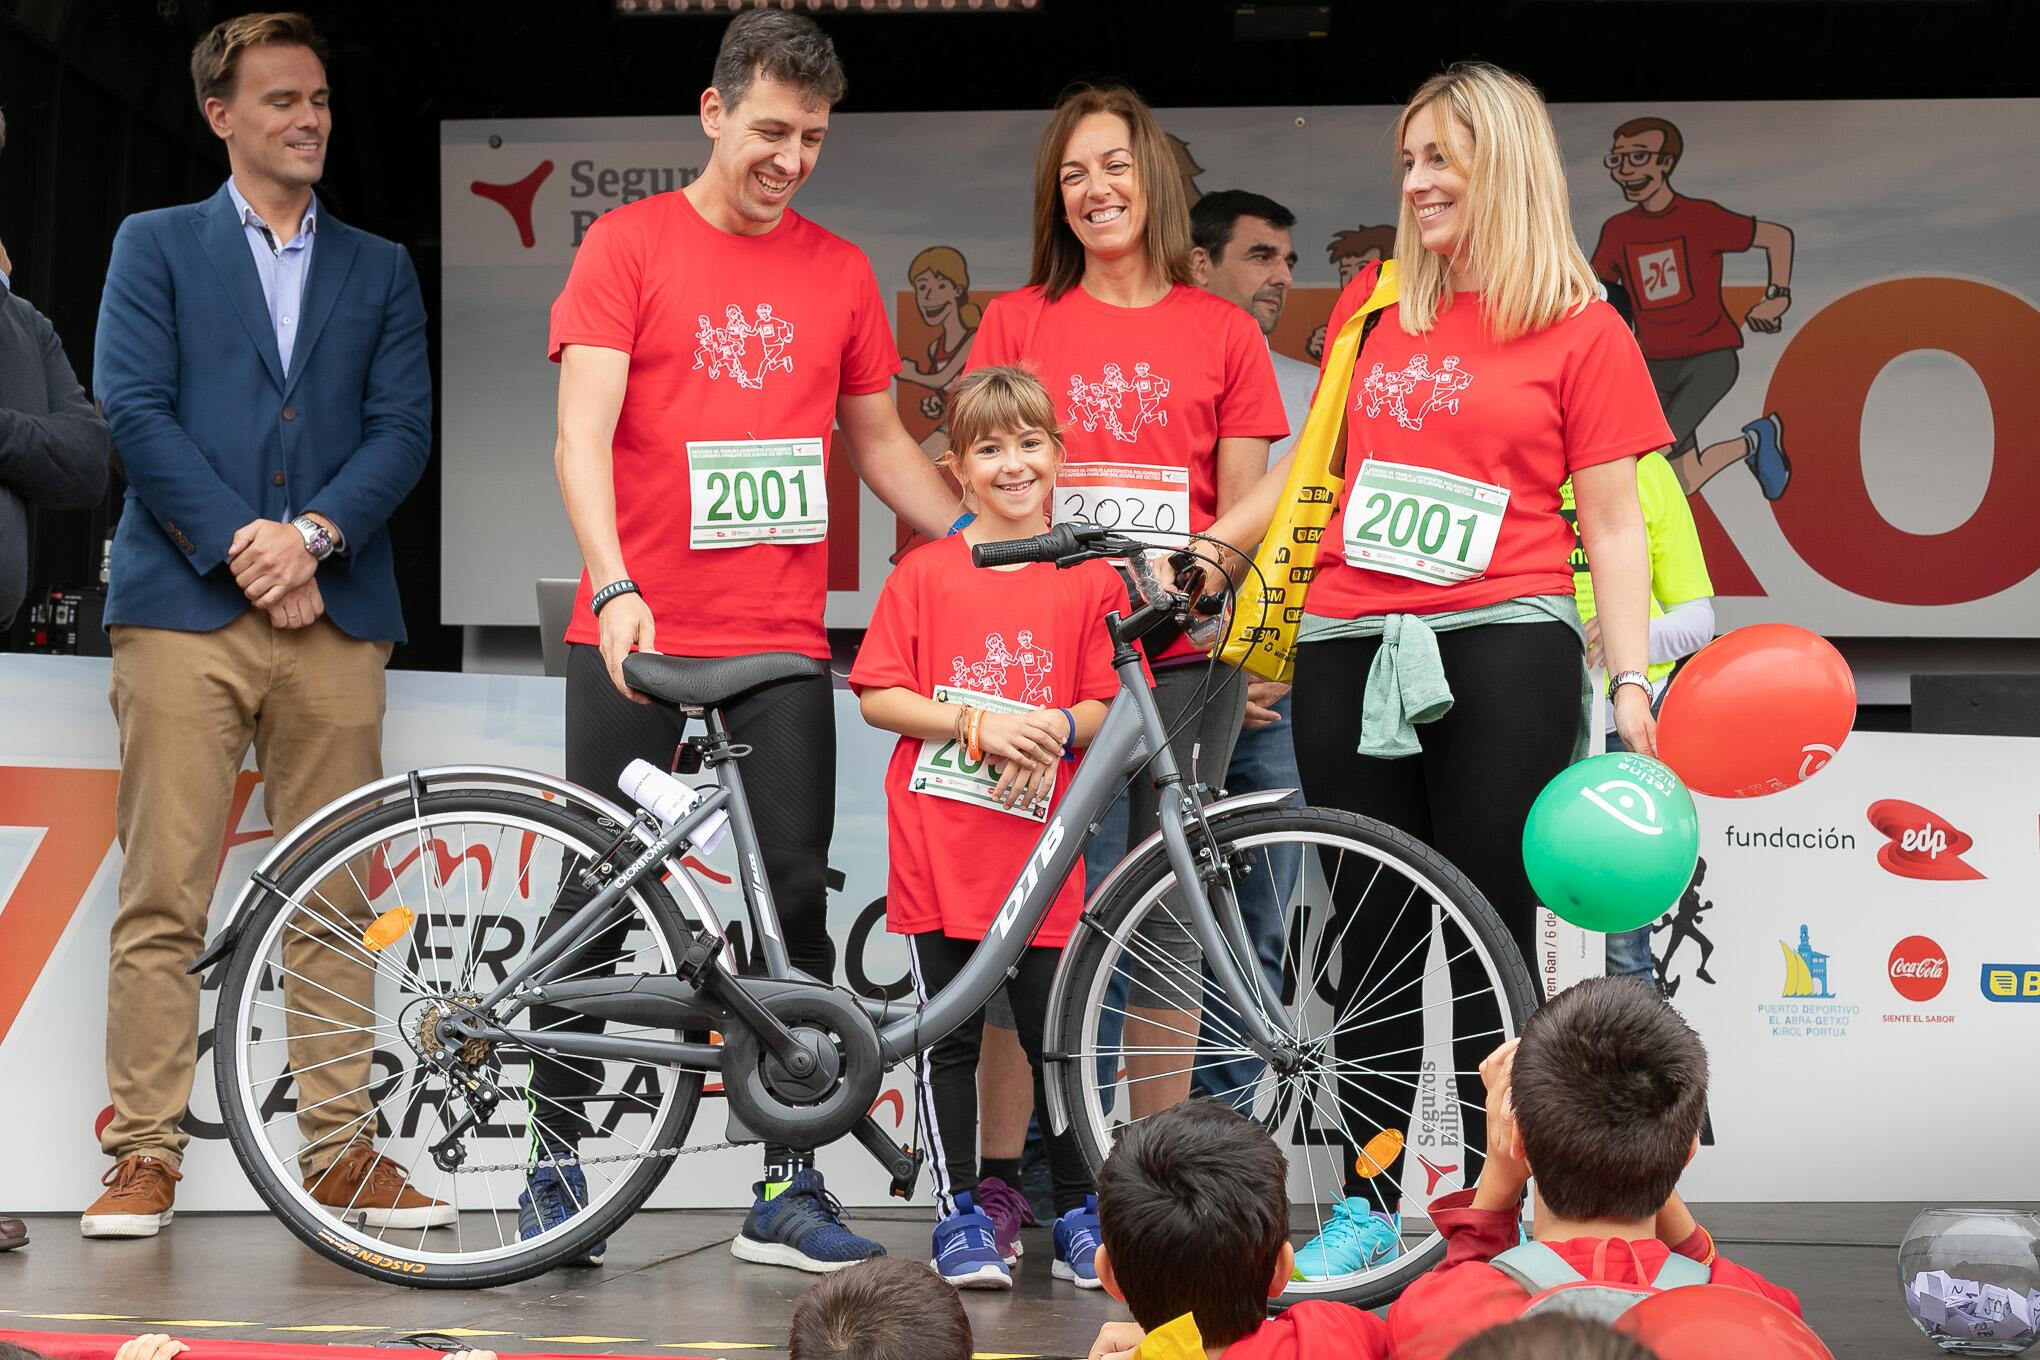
(1349, 253)
(941, 282)
(1187, 166)
(708, 353)
(736, 334)
(774, 335)
(1083, 402)
(1035, 664)
(1684, 923)
(1150, 390)
(993, 667)
(1662, 261)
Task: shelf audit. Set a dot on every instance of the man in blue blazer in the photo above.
(263, 367)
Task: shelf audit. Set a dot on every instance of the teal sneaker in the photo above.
(1358, 1237)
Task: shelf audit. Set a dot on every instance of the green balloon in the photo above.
(1611, 842)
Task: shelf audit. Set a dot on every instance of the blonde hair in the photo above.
(999, 400)
(947, 262)
(1058, 256)
(1518, 239)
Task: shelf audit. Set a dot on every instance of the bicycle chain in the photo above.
(594, 1161)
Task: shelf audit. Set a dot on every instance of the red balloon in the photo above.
(1757, 710)
(1718, 1321)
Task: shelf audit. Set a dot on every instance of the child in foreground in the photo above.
(1194, 1209)
(1600, 1100)
(887, 1308)
(994, 680)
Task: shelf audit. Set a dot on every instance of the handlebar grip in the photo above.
(1056, 544)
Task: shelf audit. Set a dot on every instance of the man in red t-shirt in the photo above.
(693, 458)
(1661, 261)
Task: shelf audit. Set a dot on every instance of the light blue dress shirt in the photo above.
(282, 268)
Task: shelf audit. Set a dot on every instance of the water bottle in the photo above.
(669, 798)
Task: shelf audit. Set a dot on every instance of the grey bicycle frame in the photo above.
(1131, 736)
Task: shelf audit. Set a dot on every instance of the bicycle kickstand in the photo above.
(903, 1164)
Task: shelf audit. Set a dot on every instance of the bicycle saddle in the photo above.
(712, 681)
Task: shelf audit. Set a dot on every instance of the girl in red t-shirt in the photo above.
(1168, 401)
(1497, 375)
(994, 679)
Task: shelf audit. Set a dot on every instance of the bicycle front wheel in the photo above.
(1394, 977)
(327, 1041)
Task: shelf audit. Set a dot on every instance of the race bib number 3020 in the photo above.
(945, 769)
(1426, 525)
(756, 491)
(1136, 499)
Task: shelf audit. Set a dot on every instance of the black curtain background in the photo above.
(101, 120)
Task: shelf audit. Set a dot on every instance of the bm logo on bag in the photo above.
(1921, 843)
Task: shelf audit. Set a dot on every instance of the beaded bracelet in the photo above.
(621, 586)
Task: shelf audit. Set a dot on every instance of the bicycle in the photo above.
(446, 974)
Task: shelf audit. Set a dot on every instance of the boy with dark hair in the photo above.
(1601, 1100)
(887, 1308)
(1193, 1205)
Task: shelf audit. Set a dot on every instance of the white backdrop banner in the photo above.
(1896, 372)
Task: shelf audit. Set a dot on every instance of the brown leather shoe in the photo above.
(13, 1233)
(366, 1185)
(139, 1192)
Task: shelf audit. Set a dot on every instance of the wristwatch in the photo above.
(319, 541)
(1621, 678)
(1777, 290)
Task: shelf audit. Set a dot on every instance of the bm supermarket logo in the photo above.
(2010, 982)
(592, 190)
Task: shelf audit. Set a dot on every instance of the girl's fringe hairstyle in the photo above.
(994, 400)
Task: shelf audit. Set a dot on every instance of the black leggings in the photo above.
(947, 1093)
(1511, 727)
(790, 786)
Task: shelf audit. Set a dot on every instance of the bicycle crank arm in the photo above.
(903, 1164)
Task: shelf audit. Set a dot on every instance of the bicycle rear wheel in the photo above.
(326, 1038)
(1366, 930)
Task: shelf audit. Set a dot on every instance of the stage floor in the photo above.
(670, 1282)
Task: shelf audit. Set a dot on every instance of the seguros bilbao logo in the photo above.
(2010, 981)
(1921, 843)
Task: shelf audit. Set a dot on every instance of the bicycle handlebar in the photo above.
(1062, 542)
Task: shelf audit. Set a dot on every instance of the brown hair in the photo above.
(999, 399)
(1609, 1087)
(1193, 1206)
(217, 54)
(1551, 1336)
(887, 1308)
(1058, 255)
(1359, 241)
(1674, 145)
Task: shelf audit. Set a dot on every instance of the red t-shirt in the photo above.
(732, 339)
(1151, 387)
(1035, 635)
(1463, 1294)
(1315, 1329)
(1524, 415)
(1670, 263)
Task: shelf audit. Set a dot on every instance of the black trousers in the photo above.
(790, 786)
(1512, 726)
(947, 1094)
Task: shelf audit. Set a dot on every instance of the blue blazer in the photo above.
(214, 436)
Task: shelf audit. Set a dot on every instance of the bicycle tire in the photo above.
(1096, 942)
(322, 1232)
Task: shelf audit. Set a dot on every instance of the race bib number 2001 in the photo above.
(1426, 525)
(750, 491)
(945, 769)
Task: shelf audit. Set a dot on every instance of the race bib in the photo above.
(1136, 499)
(750, 491)
(945, 769)
(1426, 525)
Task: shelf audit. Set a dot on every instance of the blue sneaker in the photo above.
(552, 1195)
(1767, 457)
(1359, 1237)
(801, 1227)
(967, 1250)
(1076, 1246)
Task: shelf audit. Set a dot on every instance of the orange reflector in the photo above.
(1381, 1149)
(386, 929)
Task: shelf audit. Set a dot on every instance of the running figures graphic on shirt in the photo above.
(1105, 402)
(725, 349)
(1398, 390)
(990, 674)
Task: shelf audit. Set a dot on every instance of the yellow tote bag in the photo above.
(1178, 1339)
(1269, 609)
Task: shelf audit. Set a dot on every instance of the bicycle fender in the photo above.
(1052, 1040)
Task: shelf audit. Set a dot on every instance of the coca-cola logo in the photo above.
(1922, 843)
(1919, 968)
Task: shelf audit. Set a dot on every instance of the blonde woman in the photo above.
(941, 280)
(1440, 683)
